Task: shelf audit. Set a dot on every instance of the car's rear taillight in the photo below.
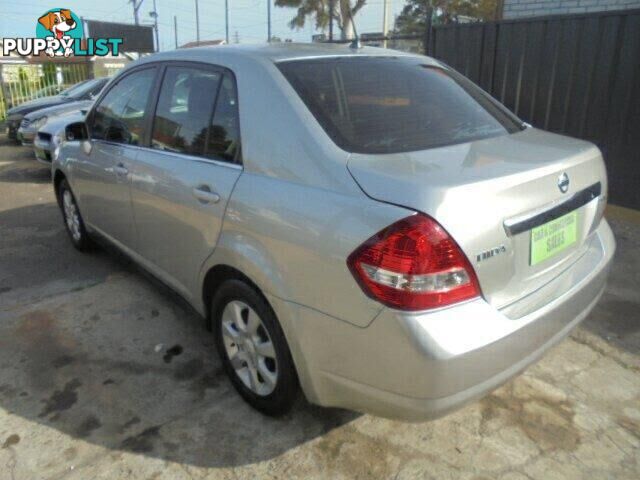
(414, 265)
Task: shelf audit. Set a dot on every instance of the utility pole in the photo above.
(237, 37)
(175, 30)
(136, 6)
(427, 30)
(154, 15)
(197, 24)
(497, 14)
(268, 21)
(226, 21)
(385, 21)
(331, 20)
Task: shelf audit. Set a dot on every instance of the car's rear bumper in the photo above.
(421, 366)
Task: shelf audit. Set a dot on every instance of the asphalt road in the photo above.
(106, 375)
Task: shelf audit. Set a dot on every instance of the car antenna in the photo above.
(355, 43)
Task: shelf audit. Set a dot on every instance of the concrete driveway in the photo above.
(106, 375)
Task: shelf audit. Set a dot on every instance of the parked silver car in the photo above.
(364, 223)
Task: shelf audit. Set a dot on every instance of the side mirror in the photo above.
(76, 132)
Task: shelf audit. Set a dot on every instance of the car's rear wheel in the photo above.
(72, 217)
(253, 348)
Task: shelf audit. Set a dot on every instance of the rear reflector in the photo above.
(414, 265)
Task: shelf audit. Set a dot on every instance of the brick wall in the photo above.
(532, 8)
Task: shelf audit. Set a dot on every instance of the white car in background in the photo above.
(49, 136)
(86, 90)
(32, 122)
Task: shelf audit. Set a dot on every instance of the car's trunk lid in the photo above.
(484, 193)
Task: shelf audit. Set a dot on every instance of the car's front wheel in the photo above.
(72, 217)
(253, 348)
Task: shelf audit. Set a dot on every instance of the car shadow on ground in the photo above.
(22, 167)
(29, 173)
(615, 317)
(98, 350)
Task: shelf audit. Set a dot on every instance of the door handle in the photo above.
(120, 169)
(204, 194)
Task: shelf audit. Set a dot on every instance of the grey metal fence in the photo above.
(573, 74)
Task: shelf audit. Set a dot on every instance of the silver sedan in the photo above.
(362, 225)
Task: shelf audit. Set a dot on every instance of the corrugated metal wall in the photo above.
(574, 74)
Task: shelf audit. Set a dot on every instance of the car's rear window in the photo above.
(391, 105)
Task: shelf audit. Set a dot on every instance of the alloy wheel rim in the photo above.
(249, 348)
(71, 215)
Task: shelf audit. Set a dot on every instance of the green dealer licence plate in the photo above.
(553, 237)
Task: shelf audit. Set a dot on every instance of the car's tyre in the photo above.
(253, 349)
(72, 218)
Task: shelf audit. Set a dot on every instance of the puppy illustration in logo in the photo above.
(58, 22)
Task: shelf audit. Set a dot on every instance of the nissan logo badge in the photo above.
(563, 182)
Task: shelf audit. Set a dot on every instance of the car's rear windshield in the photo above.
(390, 104)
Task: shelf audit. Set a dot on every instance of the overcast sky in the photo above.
(247, 17)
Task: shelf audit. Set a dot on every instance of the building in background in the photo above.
(536, 8)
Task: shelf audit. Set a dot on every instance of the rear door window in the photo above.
(224, 137)
(391, 104)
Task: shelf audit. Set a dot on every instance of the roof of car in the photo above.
(279, 51)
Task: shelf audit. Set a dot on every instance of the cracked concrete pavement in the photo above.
(88, 390)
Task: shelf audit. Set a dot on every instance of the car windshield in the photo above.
(91, 86)
(391, 105)
(74, 88)
(47, 91)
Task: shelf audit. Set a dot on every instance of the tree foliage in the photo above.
(412, 19)
(318, 10)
